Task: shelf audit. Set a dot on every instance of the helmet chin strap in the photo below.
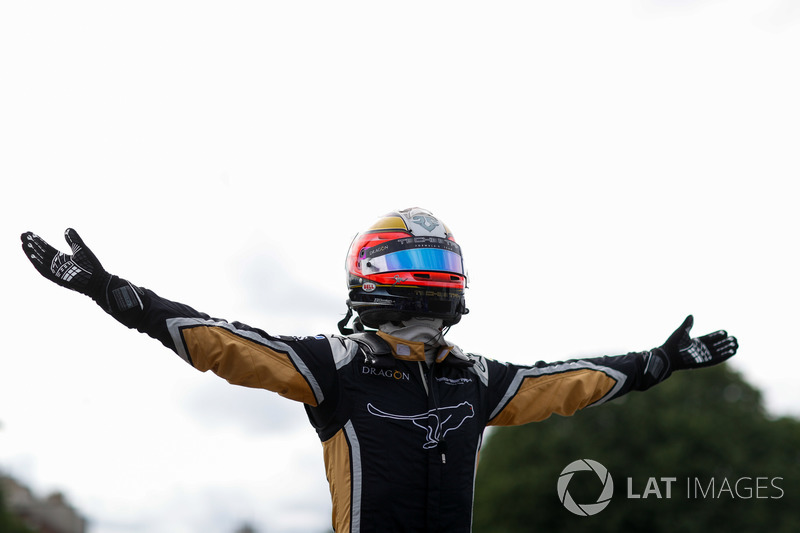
(358, 327)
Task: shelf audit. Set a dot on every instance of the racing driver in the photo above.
(400, 411)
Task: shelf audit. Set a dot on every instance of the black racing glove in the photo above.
(681, 352)
(82, 272)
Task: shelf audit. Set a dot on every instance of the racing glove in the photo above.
(82, 272)
(682, 352)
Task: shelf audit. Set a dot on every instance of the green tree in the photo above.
(707, 429)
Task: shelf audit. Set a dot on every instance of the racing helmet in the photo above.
(406, 265)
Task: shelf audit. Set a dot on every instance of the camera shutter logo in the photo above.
(585, 509)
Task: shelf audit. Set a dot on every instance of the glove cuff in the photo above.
(120, 298)
(657, 368)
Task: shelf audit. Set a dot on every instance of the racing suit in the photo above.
(400, 437)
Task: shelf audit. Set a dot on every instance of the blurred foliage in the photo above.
(701, 427)
(8, 522)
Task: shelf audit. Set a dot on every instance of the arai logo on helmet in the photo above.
(368, 286)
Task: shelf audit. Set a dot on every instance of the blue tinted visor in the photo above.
(420, 254)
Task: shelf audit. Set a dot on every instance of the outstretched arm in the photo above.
(295, 368)
(527, 394)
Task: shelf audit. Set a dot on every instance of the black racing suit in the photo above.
(400, 438)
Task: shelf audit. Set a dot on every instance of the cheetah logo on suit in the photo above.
(436, 423)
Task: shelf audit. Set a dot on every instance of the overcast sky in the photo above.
(607, 167)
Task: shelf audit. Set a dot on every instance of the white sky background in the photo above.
(607, 167)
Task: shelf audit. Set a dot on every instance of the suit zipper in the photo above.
(424, 378)
(431, 392)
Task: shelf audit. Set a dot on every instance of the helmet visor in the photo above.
(429, 254)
